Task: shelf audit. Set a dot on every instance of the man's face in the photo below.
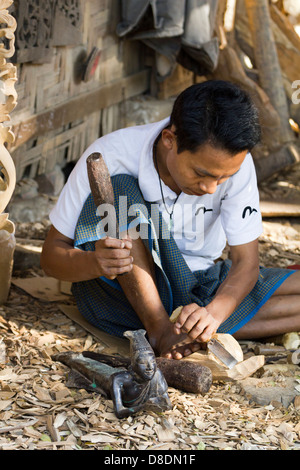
(200, 172)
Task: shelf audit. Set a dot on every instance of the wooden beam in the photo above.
(285, 26)
(279, 209)
(81, 106)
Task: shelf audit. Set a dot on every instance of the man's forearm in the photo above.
(239, 283)
(140, 288)
(61, 260)
(66, 263)
(141, 291)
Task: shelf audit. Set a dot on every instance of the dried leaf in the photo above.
(164, 435)
(42, 394)
(96, 438)
(60, 419)
(5, 404)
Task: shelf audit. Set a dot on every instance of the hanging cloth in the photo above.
(182, 31)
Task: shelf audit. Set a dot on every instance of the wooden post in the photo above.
(7, 168)
(7, 248)
(267, 63)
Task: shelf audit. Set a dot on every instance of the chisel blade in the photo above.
(221, 353)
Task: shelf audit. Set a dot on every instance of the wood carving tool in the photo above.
(102, 190)
(221, 353)
(213, 345)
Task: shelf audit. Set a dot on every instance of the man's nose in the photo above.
(209, 187)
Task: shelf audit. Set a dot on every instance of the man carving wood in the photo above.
(166, 172)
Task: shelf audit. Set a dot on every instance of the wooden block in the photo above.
(294, 357)
(290, 340)
(231, 345)
(240, 371)
(279, 209)
(246, 368)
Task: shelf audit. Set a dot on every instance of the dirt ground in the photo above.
(38, 410)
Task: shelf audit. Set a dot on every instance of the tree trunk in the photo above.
(266, 58)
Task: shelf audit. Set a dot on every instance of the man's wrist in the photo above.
(222, 307)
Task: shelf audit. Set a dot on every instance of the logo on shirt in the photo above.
(248, 209)
(204, 210)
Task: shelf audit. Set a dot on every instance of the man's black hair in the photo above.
(216, 112)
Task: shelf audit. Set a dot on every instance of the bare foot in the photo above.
(180, 351)
(171, 345)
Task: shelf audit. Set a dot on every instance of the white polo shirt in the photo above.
(201, 223)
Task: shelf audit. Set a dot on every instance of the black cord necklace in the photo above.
(160, 185)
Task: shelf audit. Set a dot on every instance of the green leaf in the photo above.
(201, 446)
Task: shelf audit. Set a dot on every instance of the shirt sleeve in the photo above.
(240, 212)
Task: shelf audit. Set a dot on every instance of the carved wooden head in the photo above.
(142, 355)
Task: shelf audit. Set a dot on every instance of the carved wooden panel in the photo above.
(67, 23)
(43, 24)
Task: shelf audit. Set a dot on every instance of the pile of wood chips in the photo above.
(38, 410)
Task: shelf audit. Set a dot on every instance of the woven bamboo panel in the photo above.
(45, 86)
(59, 147)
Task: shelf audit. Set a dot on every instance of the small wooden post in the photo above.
(7, 248)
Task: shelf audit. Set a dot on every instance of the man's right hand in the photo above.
(112, 257)
(59, 258)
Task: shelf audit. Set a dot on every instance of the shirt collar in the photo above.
(148, 176)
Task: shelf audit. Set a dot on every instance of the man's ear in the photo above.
(168, 138)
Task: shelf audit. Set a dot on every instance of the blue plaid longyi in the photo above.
(102, 301)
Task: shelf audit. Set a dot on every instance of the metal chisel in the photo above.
(221, 353)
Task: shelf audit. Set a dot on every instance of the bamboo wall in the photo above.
(58, 115)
